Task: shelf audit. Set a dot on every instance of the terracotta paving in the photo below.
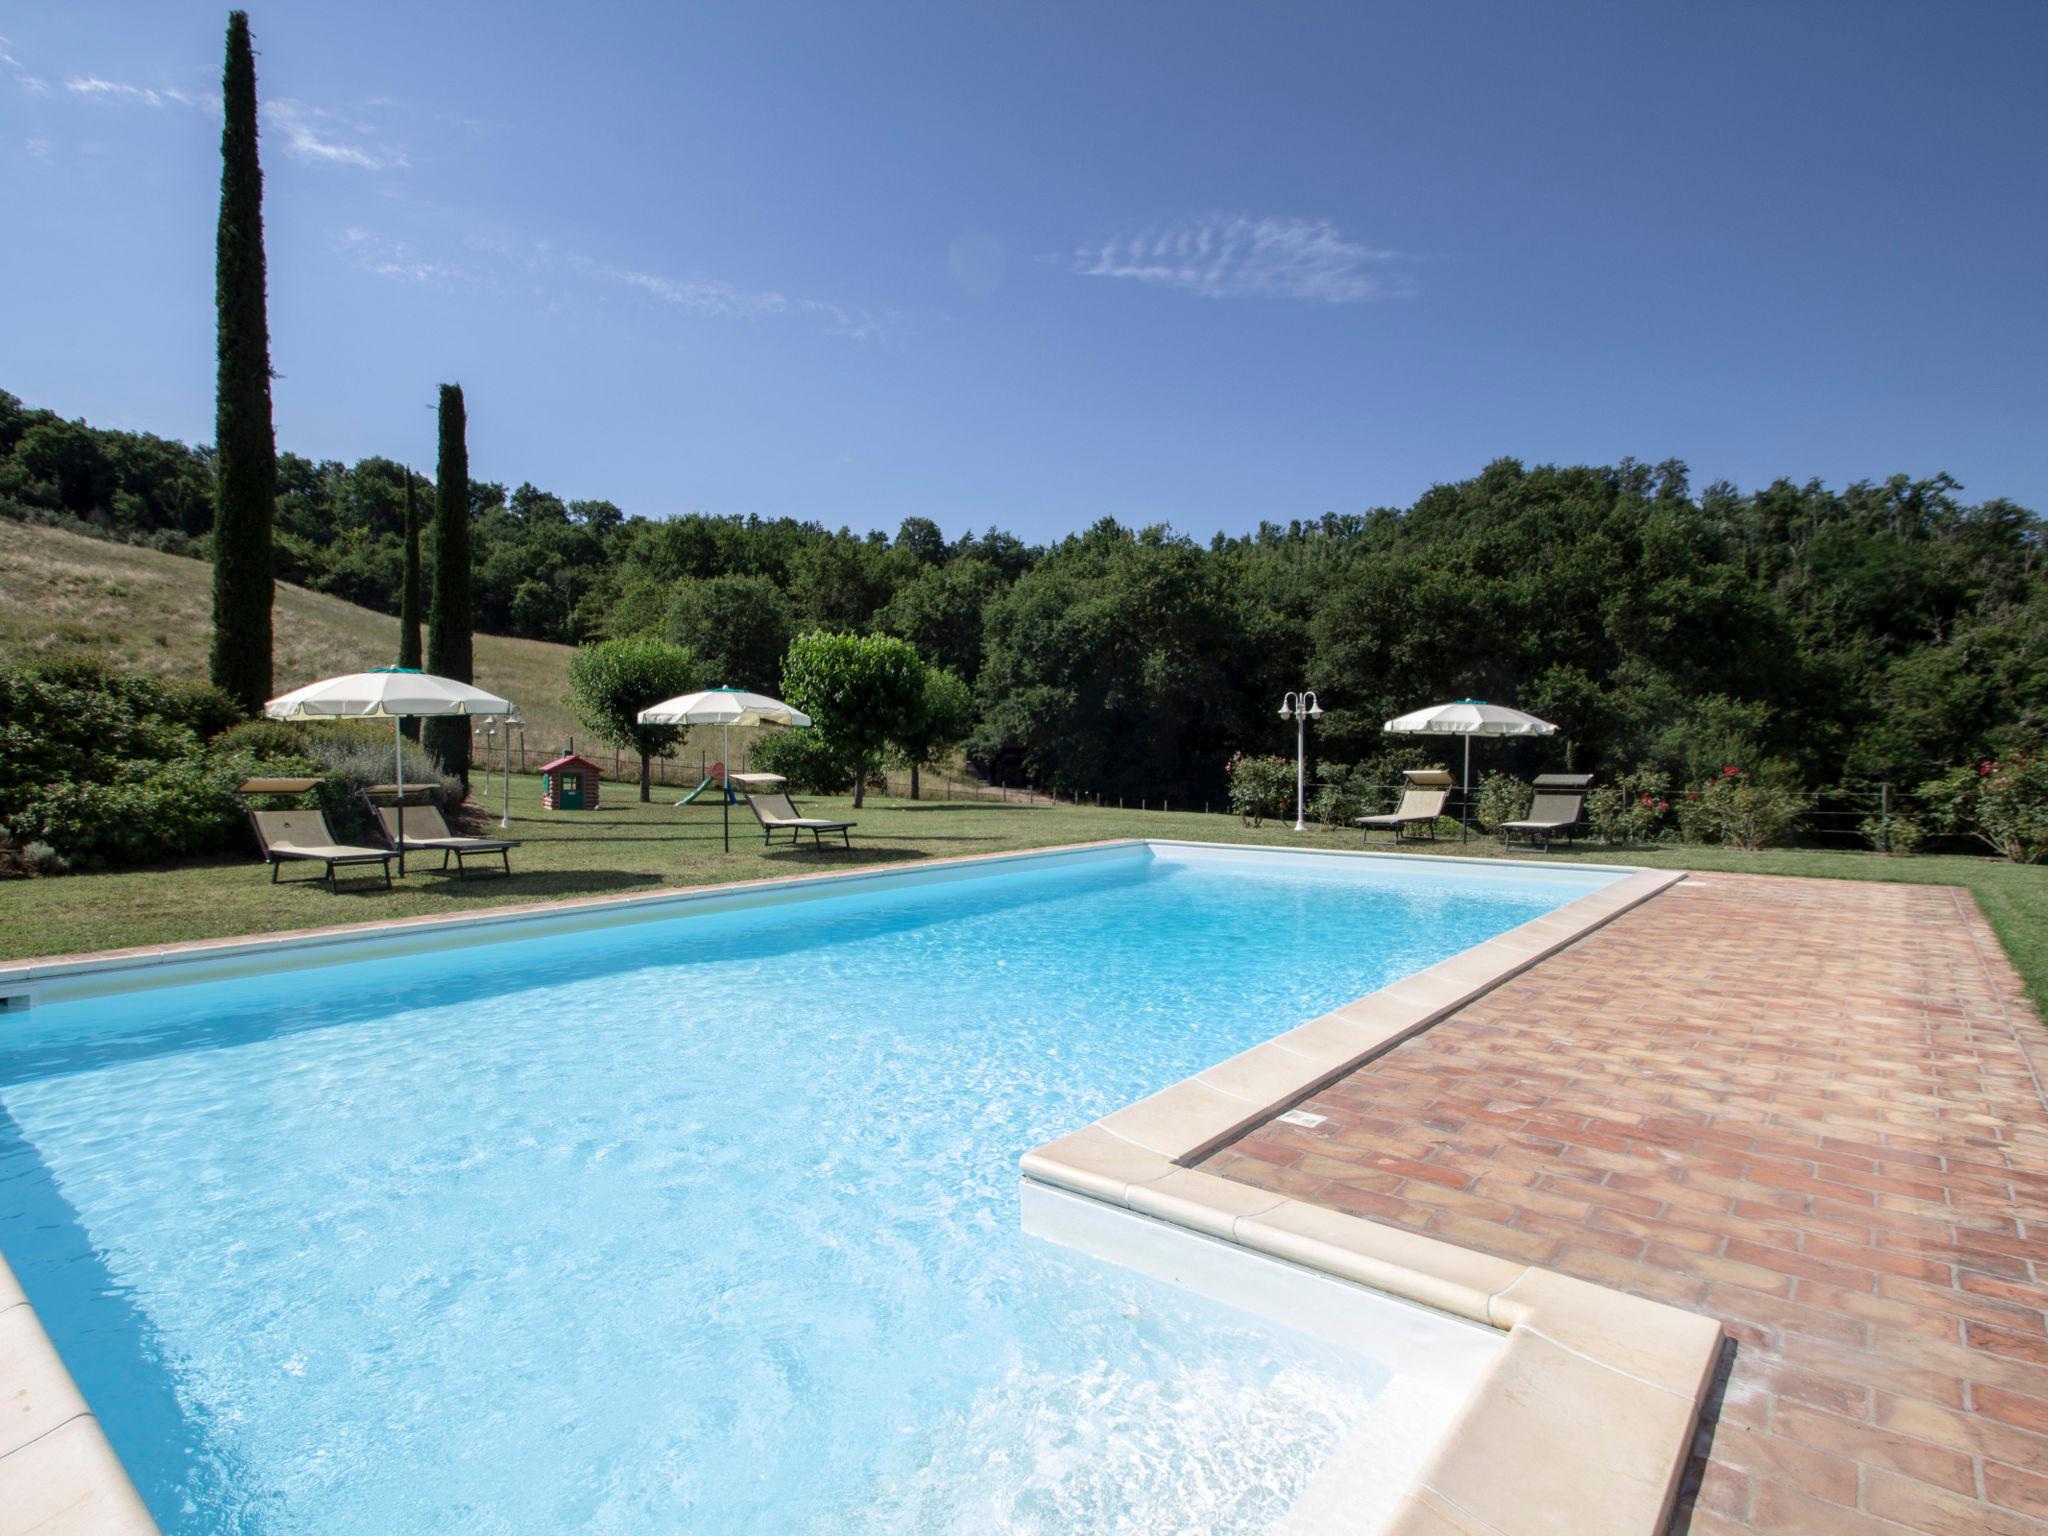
(1811, 1108)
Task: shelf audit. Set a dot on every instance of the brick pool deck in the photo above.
(1811, 1108)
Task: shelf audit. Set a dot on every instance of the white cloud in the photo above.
(728, 301)
(704, 296)
(113, 90)
(1234, 257)
(309, 137)
(385, 257)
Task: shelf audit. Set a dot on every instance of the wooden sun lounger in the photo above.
(304, 835)
(773, 810)
(427, 830)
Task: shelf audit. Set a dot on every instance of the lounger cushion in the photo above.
(305, 835)
(426, 827)
(338, 852)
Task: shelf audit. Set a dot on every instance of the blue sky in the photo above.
(1031, 264)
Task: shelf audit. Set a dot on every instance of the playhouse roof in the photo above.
(573, 760)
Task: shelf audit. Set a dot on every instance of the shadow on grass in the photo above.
(968, 805)
(526, 885)
(818, 857)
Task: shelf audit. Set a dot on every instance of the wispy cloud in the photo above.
(704, 296)
(309, 133)
(321, 137)
(115, 90)
(729, 301)
(1223, 257)
(386, 257)
(35, 85)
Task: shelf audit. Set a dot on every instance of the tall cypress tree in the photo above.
(245, 462)
(449, 649)
(409, 595)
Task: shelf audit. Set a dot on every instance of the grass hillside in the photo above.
(62, 591)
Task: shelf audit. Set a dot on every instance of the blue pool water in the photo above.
(702, 1224)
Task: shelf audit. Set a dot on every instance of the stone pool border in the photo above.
(1580, 1426)
(1584, 1422)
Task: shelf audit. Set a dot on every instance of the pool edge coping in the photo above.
(58, 1469)
(1595, 1395)
(71, 1464)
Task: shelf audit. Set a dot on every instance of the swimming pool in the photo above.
(706, 1222)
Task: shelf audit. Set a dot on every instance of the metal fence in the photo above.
(1834, 820)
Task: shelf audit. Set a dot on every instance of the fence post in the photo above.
(1884, 818)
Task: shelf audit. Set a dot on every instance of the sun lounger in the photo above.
(426, 830)
(1554, 812)
(304, 835)
(773, 810)
(1421, 803)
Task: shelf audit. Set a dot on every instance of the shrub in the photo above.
(263, 740)
(152, 811)
(1634, 808)
(1739, 810)
(2002, 802)
(42, 859)
(350, 756)
(1260, 787)
(79, 717)
(1896, 834)
(1502, 797)
(803, 758)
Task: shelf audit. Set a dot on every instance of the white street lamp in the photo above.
(511, 721)
(1299, 707)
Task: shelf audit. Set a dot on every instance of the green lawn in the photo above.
(627, 846)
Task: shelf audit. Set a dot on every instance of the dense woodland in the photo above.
(1836, 638)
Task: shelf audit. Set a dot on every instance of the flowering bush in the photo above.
(1739, 810)
(2002, 802)
(1635, 808)
(1260, 786)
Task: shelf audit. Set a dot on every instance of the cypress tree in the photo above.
(449, 648)
(409, 595)
(245, 463)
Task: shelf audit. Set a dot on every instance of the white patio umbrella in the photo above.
(1469, 718)
(396, 693)
(724, 708)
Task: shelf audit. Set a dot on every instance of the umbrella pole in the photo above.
(1465, 821)
(725, 787)
(398, 767)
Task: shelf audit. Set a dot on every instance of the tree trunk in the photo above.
(860, 786)
(913, 781)
(644, 770)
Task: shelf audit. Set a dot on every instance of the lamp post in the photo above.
(510, 722)
(1299, 707)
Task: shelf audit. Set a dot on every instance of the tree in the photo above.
(409, 595)
(450, 643)
(863, 691)
(739, 627)
(246, 448)
(944, 716)
(610, 683)
(940, 612)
